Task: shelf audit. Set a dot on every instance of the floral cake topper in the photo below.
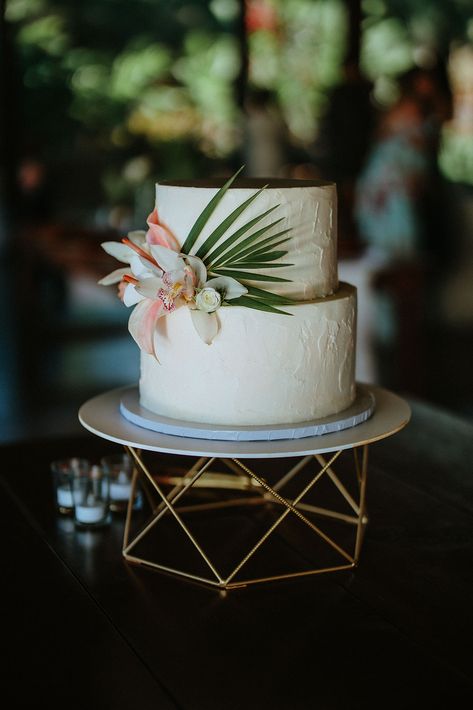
(161, 276)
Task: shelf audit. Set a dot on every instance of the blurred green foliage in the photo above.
(299, 58)
(105, 84)
(126, 90)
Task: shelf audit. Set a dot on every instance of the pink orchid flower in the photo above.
(160, 234)
(161, 282)
(158, 279)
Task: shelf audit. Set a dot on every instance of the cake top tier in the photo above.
(302, 212)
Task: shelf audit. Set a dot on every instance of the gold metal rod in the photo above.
(214, 480)
(176, 516)
(291, 473)
(158, 516)
(296, 501)
(357, 465)
(187, 474)
(289, 508)
(292, 505)
(140, 535)
(361, 521)
(144, 485)
(177, 483)
(236, 502)
(229, 463)
(181, 489)
(143, 482)
(328, 513)
(288, 575)
(155, 565)
(235, 585)
(129, 509)
(336, 481)
(277, 496)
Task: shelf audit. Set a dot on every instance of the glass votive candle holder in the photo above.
(63, 474)
(91, 494)
(120, 468)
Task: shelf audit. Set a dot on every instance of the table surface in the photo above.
(81, 628)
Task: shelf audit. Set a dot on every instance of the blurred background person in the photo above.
(400, 213)
(397, 204)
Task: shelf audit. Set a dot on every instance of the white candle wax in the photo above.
(64, 497)
(90, 512)
(120, 489)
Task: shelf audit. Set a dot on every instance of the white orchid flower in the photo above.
(228, 287)
(114, 277)
(125, 251)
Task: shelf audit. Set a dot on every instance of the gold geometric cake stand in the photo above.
(280, 500)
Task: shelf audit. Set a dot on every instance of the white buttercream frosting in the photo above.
(261, 368)
(307, 208)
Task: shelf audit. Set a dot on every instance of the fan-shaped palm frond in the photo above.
(239, 254)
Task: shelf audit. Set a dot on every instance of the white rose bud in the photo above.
(208, 300)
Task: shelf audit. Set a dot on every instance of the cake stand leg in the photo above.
(131, 502)
(362, 519)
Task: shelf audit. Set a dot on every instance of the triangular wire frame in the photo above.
(168, 504)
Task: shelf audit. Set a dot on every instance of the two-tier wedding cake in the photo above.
(237, 307)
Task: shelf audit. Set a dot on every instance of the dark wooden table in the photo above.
(81, 628)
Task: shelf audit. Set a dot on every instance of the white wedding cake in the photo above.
(238, 311)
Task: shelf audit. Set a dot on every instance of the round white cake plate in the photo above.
(361, 410)
(101, 416)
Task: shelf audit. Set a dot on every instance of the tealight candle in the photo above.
(120, 469)
(120, 488)
(92, 511)
(64, 496)
(91, 498)
(64, 472)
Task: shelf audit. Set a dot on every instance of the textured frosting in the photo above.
(308, 208)
(261, 368)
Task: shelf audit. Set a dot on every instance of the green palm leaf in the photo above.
(260, 265)
(257, 304)
(242, 249)
(239, 233)
(244, 275)
(270, 297)
(268, 256)
(204, 216)
(237, 257)
(266, 249)
(213, 238)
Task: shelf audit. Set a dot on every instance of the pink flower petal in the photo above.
(142, 323)
(159, 233)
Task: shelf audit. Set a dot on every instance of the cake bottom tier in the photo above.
(262, 368)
